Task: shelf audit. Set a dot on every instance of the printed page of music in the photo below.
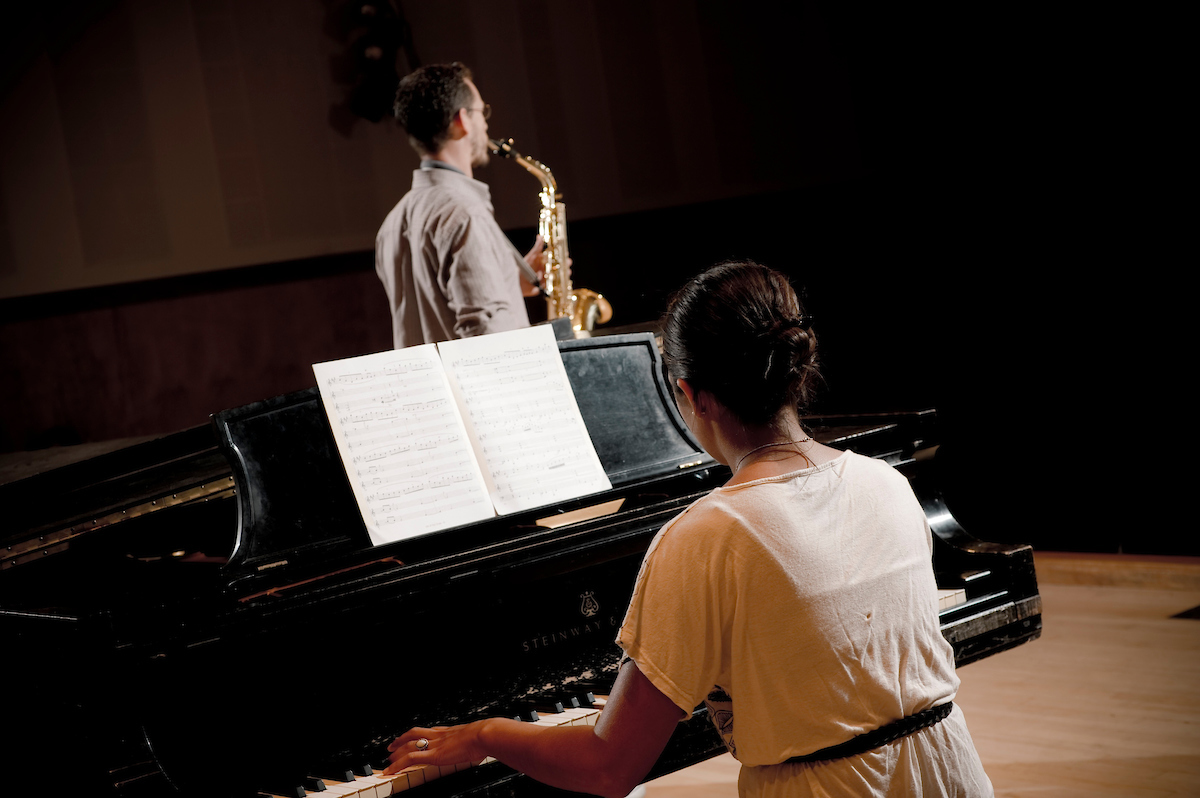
(520, 410)
(402, 440)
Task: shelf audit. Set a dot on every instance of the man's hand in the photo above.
(536, 258)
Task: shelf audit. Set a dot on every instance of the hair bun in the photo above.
(791, 332)
(739, 331)
(789, 347)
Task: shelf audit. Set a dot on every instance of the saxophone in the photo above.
(585, 308)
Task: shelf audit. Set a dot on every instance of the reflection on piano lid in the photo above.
(278, 624)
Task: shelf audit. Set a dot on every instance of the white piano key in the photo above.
(344, 789)
(391, 785)
(569, 717)
(586, 716)
(407, 779)
(552, 719)
(373, 786)
(383, 784)
(419, 774)
(951, 598)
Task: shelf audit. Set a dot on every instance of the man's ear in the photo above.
(458, 128)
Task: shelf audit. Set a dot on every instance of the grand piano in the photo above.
(203, 613)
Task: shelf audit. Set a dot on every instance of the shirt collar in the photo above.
(430, 163)
(454, 180)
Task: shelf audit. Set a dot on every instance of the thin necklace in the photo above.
(765, 445)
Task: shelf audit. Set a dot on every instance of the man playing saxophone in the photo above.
(448, 269)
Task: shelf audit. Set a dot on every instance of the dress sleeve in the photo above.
(677, 626)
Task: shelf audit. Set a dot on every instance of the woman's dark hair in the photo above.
(738, 331)
(427, 100)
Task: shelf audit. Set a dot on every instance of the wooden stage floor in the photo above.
(1106, 704)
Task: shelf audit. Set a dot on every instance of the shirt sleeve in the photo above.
(677, 622)
(478, 276)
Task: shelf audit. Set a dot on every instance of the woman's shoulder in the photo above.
(707, 522)
(873, 467)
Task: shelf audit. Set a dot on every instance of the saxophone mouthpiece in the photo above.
(501, 147)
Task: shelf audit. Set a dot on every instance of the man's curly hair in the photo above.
(427, 100)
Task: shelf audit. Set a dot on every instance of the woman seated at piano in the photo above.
(797, 600)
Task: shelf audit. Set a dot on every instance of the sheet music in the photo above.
(525, 424)
(403, 443)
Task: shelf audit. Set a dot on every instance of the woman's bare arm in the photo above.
(609, 759)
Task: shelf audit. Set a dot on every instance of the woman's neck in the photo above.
(774, 449)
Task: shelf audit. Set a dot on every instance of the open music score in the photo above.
(413, 425)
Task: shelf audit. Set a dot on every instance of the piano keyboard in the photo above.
(378, 785)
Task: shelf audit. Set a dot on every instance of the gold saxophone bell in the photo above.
(584, 307)
(589, 308)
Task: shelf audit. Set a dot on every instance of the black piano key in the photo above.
(334, 773)
(313, 784)
(342, 769)
(593, 688)
(548, 705)
(575, 698)
(522, 710)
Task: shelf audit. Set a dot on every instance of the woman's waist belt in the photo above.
(876, 738)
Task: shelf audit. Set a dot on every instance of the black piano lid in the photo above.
(48, 511)
(295, 503)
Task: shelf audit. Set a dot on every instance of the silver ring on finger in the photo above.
(422, 744)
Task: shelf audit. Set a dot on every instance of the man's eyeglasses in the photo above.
(486, 110)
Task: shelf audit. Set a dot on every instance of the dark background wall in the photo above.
(188, 216)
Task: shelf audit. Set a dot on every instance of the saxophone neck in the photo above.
(504, 149)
